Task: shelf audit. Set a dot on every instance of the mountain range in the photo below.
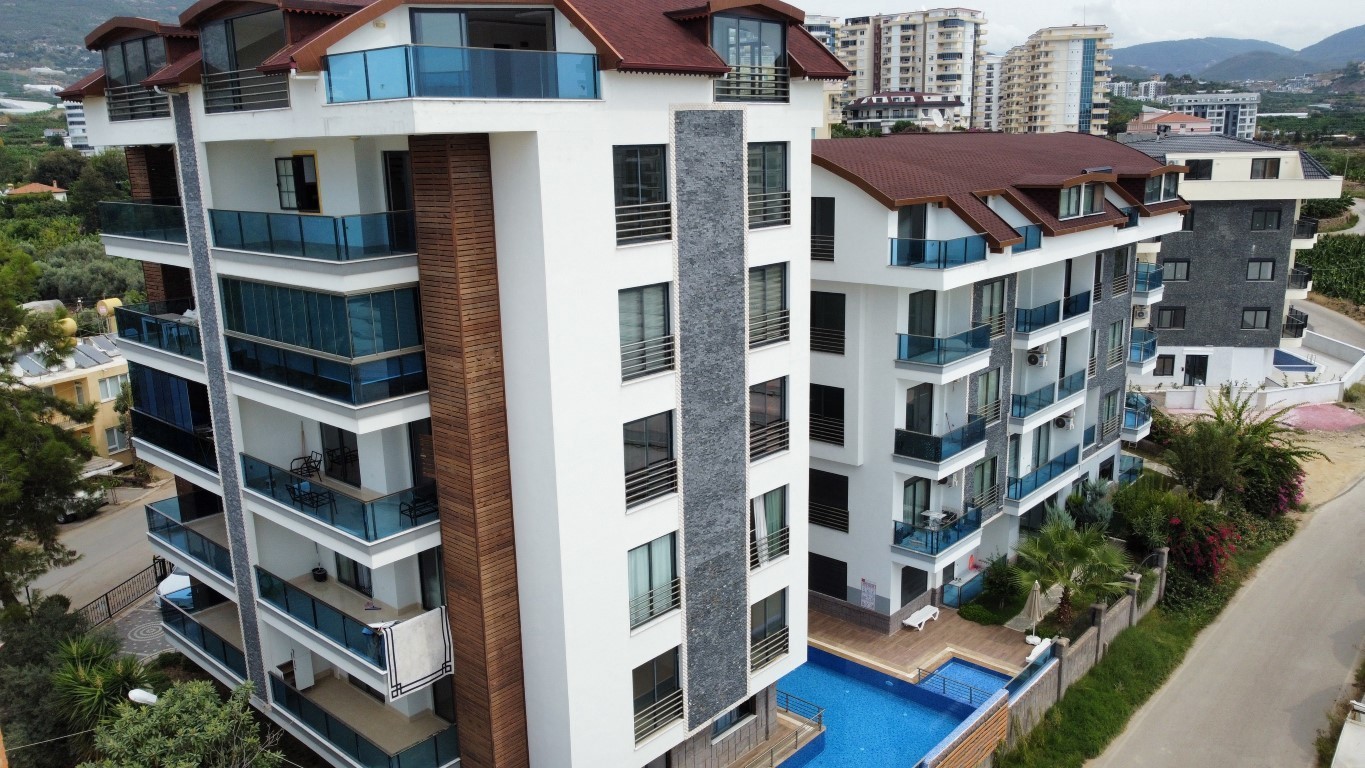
(1229, 58)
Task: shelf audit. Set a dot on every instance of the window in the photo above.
(1261, 269)
(1170, 317)
(768, 320)
(985, 483)
(650, 469)
(1187, 223)
(993, 306)
(828, 576)
(111, 386)
(132, 61)
(296, 179)
(1170, 188)
(646, 339)
(1265, 168)
(78, 392)
(115, 440)
(1199, 170)
(1176, 270)
(1263, 219)
(915, 501)
(658, 697)
(653, 575)
(768, 535)
(767, 418)
(827, 414)
(1165, 365)
(768, 629)
(769, 200)
(642, 210)
(1255, 319)
(345, 326)
(822, 229)
(988, 395)
(829, 500)
(745, 42)
(827, 322)
(354, 575)
(1081, 200)
(1109, 411)
(431, 578)
(733, 718)
(1161, 188)
(1116, 345)
(341, 452)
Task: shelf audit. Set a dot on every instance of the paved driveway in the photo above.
(1257, 684)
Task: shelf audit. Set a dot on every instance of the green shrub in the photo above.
(1328, 207)
(978, 613)
(997, 582)
(1354, 393)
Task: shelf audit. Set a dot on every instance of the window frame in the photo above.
(1261, 219)
(648, 428)
(1173, 267)
(1259, 265)
(120, 441)
(649, 551)
(1087, 202)
(630, 156)
(1265, 168)
(120, 378)
(1173, 312)
(1260, 318)
(305, 197)
(1165, 365)
(1206, 172)
(730, 720)
(355, 575)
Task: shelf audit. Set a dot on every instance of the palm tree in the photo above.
(1077, 559)
(92, 679)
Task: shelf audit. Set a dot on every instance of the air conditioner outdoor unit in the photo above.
(1037, 358)
(1139, 313)
(1064, 422)
(950, 481)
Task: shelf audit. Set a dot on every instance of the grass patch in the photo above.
(1098, 706)
(1326, 741)
(993, 612)
(1339, 223)
(1354, 393)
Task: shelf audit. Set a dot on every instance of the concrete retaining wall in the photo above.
(1027, 708)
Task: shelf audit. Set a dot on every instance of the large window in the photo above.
(346, 326)
(1161, 188)
(111, 386)
(828, 576)
(1165, 365)
(115, 440)
(768, 533)
(1263, 219)
(827, 414)
(1176, 270)
(642, 210)
(768, 317)
(296, 180)
(1265, 168)
(231, 51)
(646, 338)
(1170, 317)
(985, 483)
(658, 693)
(822, 229)
(829, 500)
(1081, 200)
(650, 468)
(526, 29)
(756, 51)
(769, 200)
(354, 575)
(993, 306)
(827, 322)
(132, 61)
(1200, 170)
(653, 573)
(768, 629)
(988, 394)
(734, 717)
(915, 501)
(767, 418)
(1255, 318)
(1261, 269)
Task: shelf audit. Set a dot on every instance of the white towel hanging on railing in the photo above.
(418, 651)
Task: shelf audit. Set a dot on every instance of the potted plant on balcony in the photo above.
(319, 573)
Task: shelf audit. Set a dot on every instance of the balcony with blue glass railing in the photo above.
(1148, 278)
(937, 254)
(1141, 346)
(143, 221)
(1075, 305)
(195, 527)
(942, 350)
(1033, 238)
(939, 448)
(442, 72)
(1023, 406)
(356, 512)
(192, 445)
(939, 531)
(170, 326)
(214, 630)
(1137, 414)
(372, 735)
(312, 236)
(1018, 488)
(1037, 318)
(328, 377)
(1130, 469)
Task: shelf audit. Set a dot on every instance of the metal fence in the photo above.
(108, 605)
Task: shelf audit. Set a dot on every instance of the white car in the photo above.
(176, 588)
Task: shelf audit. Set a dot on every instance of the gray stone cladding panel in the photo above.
(1002, 357)
(1109, 310)
(1218, 251)
(211, 333)
(711, 163)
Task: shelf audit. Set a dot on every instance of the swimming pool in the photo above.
(872, 719)
(964, 681)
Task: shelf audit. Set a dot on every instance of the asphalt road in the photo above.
(1359, 210)
(1334, 325)
(113, 546)
(1257, 684)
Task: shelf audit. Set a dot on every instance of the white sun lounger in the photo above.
(919, 618)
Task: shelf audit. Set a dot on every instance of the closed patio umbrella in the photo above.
(1033, 609)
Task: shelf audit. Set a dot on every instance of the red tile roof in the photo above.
(182, 71)
(123, 24)
(91, 84)
(960, 170)
(34, 188)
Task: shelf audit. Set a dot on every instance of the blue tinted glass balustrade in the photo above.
(1076, 304)
(144, 221)
(436, 72)
(936, 448)
(203, 638)
(194, 446)
(326, 238)
(1090, 435)
(351, 634)
(162, 324)
(368, 520)
(1141, 346)
(937, 254)
(1029, 320)
(1149, 277)
(1033, 238)
(1022, 406)
(354, 384)
(166, 521)
(1071, 385)
(932, 350)
(1137, 411)
(1130, 469)
(432, 752)
(931, 540)
(1019, 487)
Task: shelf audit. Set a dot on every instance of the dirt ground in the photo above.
(1346, 449)
(1348, 308)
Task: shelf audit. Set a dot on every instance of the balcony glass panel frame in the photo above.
(167, 524)
(940, 448)
(937, 254)
(165, 325)
(1149, 277)
(1141, 346)
(312, 236)
(346, 631)
(452, 72)
(196, 447)
(940, 351)
(1018, 488)
(1038, 318)
(353, 383)
(143, 220)
(934, 538)
(186, 627)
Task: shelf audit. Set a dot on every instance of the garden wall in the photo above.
(1030, 704)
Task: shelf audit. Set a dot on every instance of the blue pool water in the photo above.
(871, 719)
(947, 675)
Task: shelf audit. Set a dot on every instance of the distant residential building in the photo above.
(77, 137)
(1151, 90)
(1232, 114)
(932, 111)
(1124, 89)
(986, 94)
(1058, 81)
(1153, 120)
(35, 188)
(94, 372)
(825, 29)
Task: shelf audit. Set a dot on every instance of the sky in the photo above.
(1009, 22)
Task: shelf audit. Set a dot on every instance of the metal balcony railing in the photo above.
(1301, 278)
(769, 327)
(1113, 357)
(663, 712)
(767, 439)
(747, 83)
(135, 102)
(939, 448)
(935, 537)
(1305, 228)
(1119, 284)
(996, 323)
(769, 209)
(244, 90)
(938, 351)
(987, 499)
(644, 223)
(145, 221)
(937, 254)
(766, 650)
(1295, 323)
(641, 358)
(1110, 427)
(1020, 487)
(449, 72)
(822, 247)
(826, 516)
(827, 429)
(657, 479)
(164, 325)
(770, 547)
(829, 340)
(655, 602)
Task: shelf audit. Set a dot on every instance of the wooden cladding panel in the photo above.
(139, 185)
(976, 747)
(152, 283)
(457, 260)
(162, 282)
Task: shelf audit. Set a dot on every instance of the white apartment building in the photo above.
(1151, 90)
(1124, 89)
(76, 135)
(928, 111)
(1057, 81)
(1003, 268)
(1232, 114)
(484, 321)
(860, 44)
(987, 93)
(1230, 277)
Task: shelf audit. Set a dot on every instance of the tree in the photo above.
(1328, 208)
(1089, 505)
(1080, 560)
(104, 178)
(40, 462)
(83, 271)
(188, 727)
(29, 710)
(60, 166)
(93, 679)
